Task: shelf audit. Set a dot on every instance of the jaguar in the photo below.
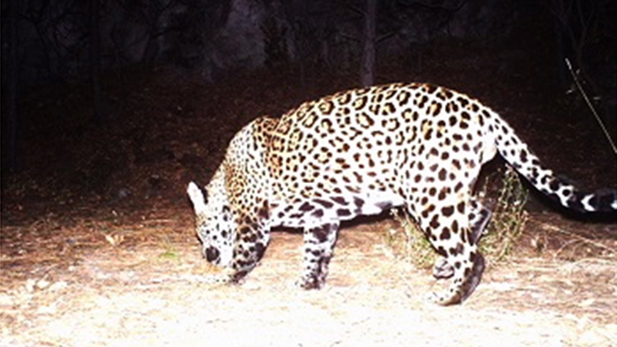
(360, 152)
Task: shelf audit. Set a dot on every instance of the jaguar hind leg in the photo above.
(468, 265)
(449, 230)
(318, 250)
(479, 216)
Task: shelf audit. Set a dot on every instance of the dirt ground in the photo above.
(143, 283)
(97, 246)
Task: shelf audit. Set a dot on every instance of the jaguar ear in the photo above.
(197, 198)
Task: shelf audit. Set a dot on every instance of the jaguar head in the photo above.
(214, 224)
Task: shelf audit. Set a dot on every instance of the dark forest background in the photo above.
(69, 65)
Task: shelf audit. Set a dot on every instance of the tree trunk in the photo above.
(367, 73)
(13, 152)
(98, 112)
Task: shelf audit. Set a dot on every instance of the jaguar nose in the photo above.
(211, 254)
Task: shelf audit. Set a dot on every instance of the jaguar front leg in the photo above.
(252, 239)
(318, 250)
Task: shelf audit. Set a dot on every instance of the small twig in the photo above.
(580, 88)
(580, 238)
(587, 262)
(158, 220)
(565, 245)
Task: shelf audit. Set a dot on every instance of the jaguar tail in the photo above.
(520, 157)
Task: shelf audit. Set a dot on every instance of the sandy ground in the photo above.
(123, 293)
